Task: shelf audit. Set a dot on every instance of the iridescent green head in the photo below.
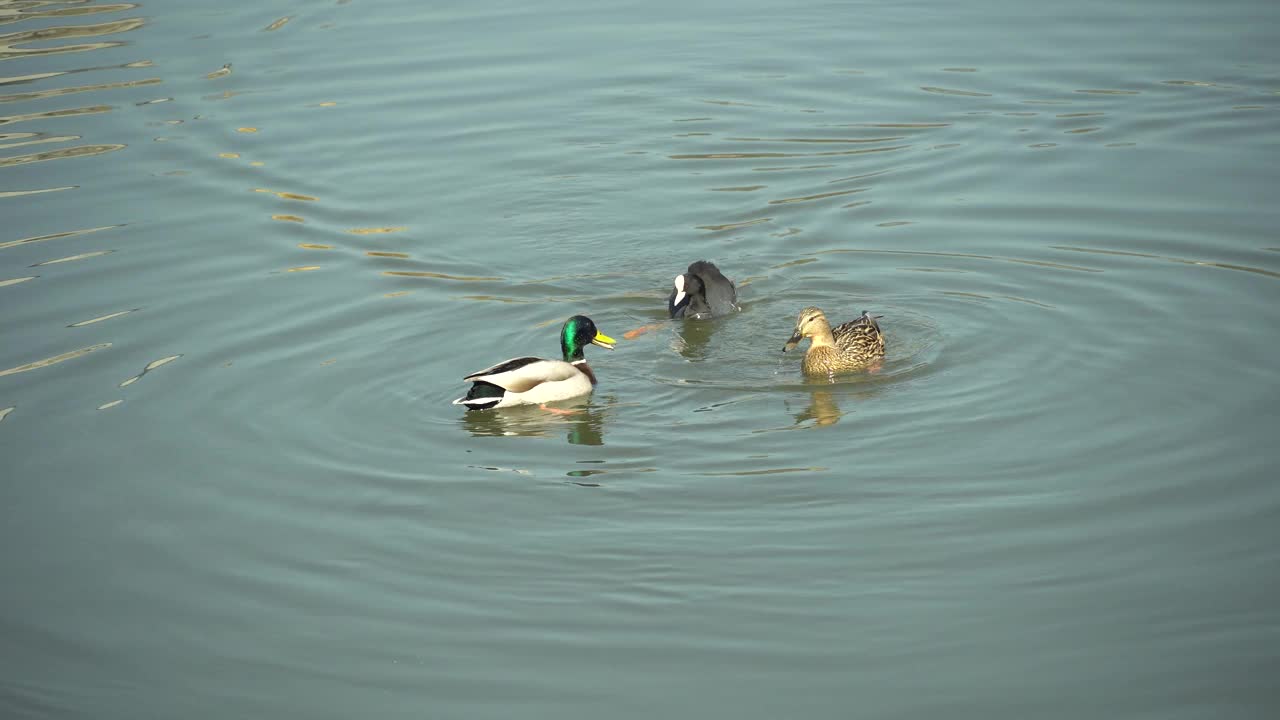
(579, 332)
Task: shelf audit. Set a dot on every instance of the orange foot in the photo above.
(632, 334)
(557, 411)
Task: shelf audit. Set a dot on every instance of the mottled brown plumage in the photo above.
(852, 346)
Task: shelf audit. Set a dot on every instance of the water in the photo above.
(249, 249)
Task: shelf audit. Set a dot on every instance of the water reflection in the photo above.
(822, 409)
(827, 396)
(582, 425)
(150, 366)
(10, 44)
(692, 338)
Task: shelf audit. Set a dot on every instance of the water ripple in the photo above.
(55, 236)
(1183, 261)
(72, 152)
(102, 318)
(149, 367)
(58, 92)
(70, 112)
(74, 258)
(9, 42)
(54, 360)
(951, 91)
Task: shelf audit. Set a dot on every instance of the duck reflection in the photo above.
(825, 399)
(822, 409)
(693, 338)
(582, 424)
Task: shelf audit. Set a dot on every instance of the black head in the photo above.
(579, 332)
(686, 287)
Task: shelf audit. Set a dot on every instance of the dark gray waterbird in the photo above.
(702, 292)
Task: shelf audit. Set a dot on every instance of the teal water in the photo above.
(248, 250)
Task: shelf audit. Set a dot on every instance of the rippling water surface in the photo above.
(248, 250)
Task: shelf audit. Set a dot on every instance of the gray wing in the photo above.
(721, 295)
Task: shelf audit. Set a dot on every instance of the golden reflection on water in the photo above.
(283, 195)
(377, 230)
(279, 23)
(73, 152)
(150, 366)
(54, 360)
(73, 258)
(39, 141)
(69, 112)
(108, 406)
(55, 236)
(102, 318)
(56, 40)
(18, 193)
(28, 9)
(56, 92)
(9, 42)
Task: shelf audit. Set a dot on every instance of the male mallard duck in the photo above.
(533, 380)
(850, 346)
(702, 292)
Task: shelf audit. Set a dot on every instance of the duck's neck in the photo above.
(822, 336)
(572, 353)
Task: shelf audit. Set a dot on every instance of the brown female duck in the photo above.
(851, 346)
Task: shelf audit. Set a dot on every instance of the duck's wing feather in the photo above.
(520, 374)
(862, 331)
(504, 366)
(721, 294)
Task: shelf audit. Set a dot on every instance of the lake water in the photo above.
(248, 250)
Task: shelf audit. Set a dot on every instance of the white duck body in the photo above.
(534, 380)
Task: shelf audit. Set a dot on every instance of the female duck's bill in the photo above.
(534, 380)
(702, 292)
